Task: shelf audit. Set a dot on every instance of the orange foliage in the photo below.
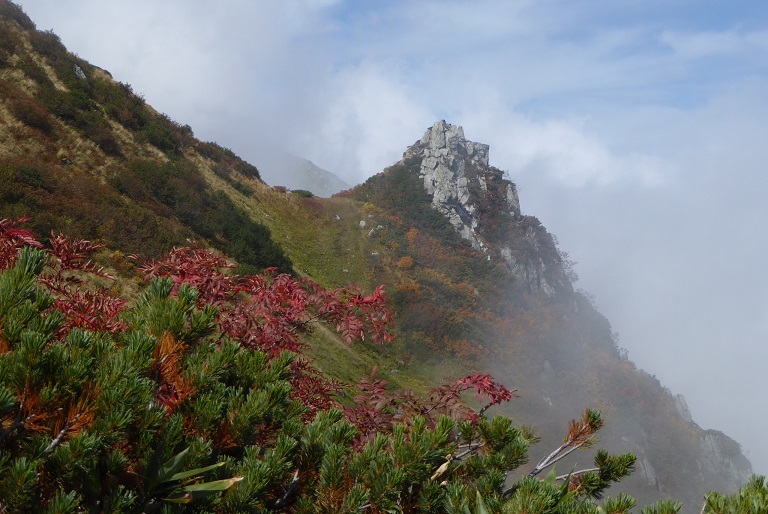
(412, 235)
(465, 348)
(405, 263)
(410, 288)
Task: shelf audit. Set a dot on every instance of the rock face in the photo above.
(721, 455)
(723, 458)
(449, 162)
(482, 204)
(682, 408)
(637, 444)
(484, 207)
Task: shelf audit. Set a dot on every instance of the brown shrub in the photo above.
(31, 114)
(405, 263)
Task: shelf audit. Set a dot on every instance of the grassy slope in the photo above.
(325, 240)
(323, 237)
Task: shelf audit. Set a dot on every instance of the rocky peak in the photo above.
(451, 165)
(484, 207)
(446, 140)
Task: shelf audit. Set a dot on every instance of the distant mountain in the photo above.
(286, 170)
(476, 285)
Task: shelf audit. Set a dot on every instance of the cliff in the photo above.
(552, 339)
(484, 207)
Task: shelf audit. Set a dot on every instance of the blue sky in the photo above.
(634, 130)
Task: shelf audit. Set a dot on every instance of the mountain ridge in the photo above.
(459, 183)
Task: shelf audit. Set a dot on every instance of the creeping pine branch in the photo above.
(470, 448)
(580, 432)
(560, 453)
(289, 496)
(577, 473)
(467, 449)
(60, 436)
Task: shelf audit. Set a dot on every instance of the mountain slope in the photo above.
(476, 285)
(84, 152)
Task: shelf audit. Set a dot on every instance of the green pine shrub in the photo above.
(197, 397)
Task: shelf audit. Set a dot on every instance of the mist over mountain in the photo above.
(528, 324)
(476, 283)
(282, 169)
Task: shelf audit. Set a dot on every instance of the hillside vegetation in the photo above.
(85, 155)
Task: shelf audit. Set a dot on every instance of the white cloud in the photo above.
(371, 117)
(564, 150)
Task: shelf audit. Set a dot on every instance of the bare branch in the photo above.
(554, 457)
(286, 499)
(60, 437)
(577, 473)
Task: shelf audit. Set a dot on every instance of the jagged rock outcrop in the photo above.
(484, 207)
(723, 458)
(682, 408)
(445, 168)
(645, 470)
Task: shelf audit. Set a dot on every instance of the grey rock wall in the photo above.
(456, 172)
(723, 458)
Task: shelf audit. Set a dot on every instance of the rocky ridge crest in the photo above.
(482, 204)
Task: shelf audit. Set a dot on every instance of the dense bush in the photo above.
(226, 159)
(399, 188)
(214, 151)
(303, 193)
(10, 41)
(96, 128)
(243, 188)
(179, 186)
(164, 133)
(32, 114)
(61, 199)
(447, 316)
(75, 107)
(35, 72)
(71, 70)
(11, 11)
(104, 405)
(121, 103)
